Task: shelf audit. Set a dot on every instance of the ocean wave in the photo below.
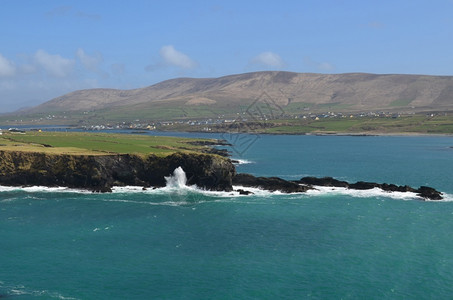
(446, 198)
(7, 291)
(242, 161)
(182, 195)
(371, 193)
(41, 189)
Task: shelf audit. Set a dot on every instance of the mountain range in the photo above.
(292, 92)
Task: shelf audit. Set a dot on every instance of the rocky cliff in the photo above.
(208, 171)
(100, 173)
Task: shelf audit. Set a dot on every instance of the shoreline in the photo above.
(74, 128)
(320, 133)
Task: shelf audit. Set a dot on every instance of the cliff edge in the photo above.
(101, 172)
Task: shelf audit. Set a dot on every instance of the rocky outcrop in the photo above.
(308, 183)
(427, 192)
(324, 181)
(211, 172)
(423, 191)
(269, 183)
(100, 173)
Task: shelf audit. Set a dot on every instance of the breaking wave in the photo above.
(238, 161)
(22, 292)
(180, 193)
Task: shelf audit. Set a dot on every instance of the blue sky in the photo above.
(48, 48)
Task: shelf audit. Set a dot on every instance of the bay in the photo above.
(190, 244)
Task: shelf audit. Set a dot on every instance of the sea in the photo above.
(181, 242)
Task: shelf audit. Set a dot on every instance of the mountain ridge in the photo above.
(291, 90)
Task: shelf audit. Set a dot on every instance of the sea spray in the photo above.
(177, 180)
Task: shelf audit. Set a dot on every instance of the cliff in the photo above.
(208, 171)
(101, 172)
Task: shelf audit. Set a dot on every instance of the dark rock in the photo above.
(396, 188)
(269, 183)
(363, 185)
(221, 152)
(324, 181)
(101, 189)
(429, 193)
(243, 192)
(424, 192)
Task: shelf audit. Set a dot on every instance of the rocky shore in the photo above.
(101, 172)
(308, 183)
(215, 172)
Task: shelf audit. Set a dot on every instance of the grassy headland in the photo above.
(78, 143)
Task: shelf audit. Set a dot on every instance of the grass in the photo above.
(95, 143)
(401, 102)
(407, 124)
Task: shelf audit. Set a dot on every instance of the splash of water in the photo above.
(177, 180)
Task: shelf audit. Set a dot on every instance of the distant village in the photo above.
(210, 124)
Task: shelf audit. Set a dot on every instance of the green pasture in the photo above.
(405, 124)
(95, 143)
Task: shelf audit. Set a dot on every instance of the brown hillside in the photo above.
(348, 92)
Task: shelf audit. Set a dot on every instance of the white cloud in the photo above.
(269, 59)
(7, 67)
(54, 64)
(89, 62)
(173, 57)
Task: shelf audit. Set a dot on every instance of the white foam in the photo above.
(36, 189)
(258, 191)
(178, 191)
(241, 161)
(23, 291)
(446, 198)
(178, 179)
(371, 193)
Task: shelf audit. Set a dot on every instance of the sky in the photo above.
(49, 48)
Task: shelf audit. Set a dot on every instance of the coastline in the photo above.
(326, 133)
(207, 169)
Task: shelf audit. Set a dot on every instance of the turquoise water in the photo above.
(187, 244)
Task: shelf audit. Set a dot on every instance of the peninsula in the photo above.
(100, 161)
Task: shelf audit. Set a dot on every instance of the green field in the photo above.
(406, 124)
(96, 143)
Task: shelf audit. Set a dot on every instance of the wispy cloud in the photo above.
(7, 67)
(54, 64)
(66, 10)
(169, 56)
(268, 59)
(173, 57)
(88, 16)
(59, 11)
(90, 62)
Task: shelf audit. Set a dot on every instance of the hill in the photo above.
(292, 93)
